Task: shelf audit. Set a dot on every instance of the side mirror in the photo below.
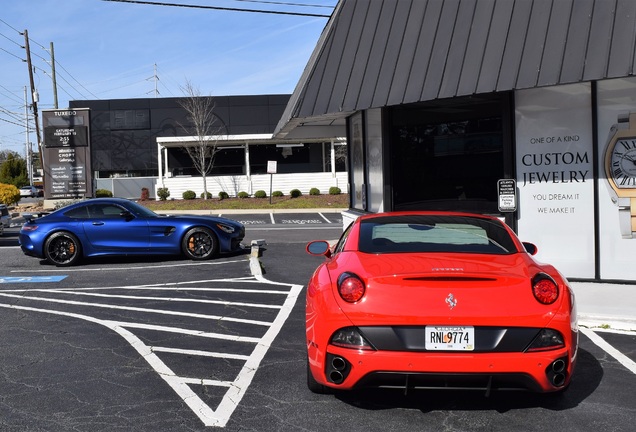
(531, 248)
(318, 247)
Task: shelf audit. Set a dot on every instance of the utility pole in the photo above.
(53, 77)
(33, 94)
(27, 141)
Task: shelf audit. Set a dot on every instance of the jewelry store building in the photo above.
(445, 102)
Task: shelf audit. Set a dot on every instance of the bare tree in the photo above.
(204, 125)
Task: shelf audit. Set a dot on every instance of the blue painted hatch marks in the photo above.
(30, 279)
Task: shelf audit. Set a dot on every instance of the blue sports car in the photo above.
(115, 226)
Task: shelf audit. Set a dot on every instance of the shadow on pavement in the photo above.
(586, 379)
(9, 238)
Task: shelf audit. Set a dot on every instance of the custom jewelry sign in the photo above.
(555, 175)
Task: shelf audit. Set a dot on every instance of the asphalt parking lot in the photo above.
(168, 344)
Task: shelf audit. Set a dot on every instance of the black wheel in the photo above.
(199, 243)
(62, 249)
(313, 385)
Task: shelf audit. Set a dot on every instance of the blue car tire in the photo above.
(63, 249)
(199, 243)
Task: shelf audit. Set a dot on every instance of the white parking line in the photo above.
(301, 227)
(601, 343)
(271, 217)
(166, 299)
(245, 376)
(199, 353)
(162, 265)
(188, 332)
(323, 216)
(153, 288)
(137, 309)
(234, 390)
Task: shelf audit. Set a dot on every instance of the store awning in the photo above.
(376, 53)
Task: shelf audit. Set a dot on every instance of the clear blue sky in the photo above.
(108, 49)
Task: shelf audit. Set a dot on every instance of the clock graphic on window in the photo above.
(623, 163)
(620, 171)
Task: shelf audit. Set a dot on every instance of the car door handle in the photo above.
(98, 223)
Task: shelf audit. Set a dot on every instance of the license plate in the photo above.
(445, 338)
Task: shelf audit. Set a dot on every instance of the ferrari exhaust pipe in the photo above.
(558, 380)
(338, 369)
(558, 366)
(336, 377)
(556, 372)
(339, 364)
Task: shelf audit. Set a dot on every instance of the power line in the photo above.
(73, 78)
(73, 83)
(57, 63)
(286, 3)
(10, 95)
(10, 26)
(11, 40)
(10, 114)
(11, 54)
(218, 8)
(58, 85)
(13, 123)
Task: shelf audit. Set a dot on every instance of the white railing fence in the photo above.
(130, 187)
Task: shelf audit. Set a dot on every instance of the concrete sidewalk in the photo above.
(606, 305)
(251, 211)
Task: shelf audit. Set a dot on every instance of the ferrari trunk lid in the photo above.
(447, 289)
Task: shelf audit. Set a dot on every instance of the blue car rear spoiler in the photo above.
(30, 217)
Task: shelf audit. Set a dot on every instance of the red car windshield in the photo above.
(434, 233)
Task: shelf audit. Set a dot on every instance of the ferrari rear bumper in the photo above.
(546, 371)
(449, 381)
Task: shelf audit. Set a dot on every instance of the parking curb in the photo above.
(606, 322)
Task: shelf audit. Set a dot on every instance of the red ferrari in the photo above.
(437, 300)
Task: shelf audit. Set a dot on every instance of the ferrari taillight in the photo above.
(547, 339)
(350, 337)
(350, 287)
(544, 288)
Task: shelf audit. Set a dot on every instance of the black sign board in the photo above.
(507, 193)
(67, 156)
(70, 136)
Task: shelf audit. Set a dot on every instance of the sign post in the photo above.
(271, 170)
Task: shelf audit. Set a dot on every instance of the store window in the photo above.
(290, 158)
(448, 155)
(340, 150)
(227, 161)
